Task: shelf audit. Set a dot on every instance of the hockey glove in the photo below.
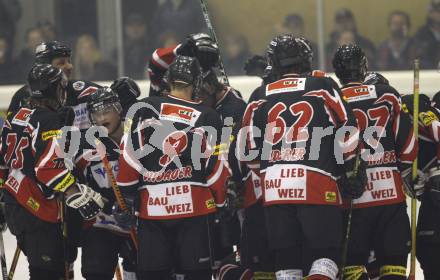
(434, 185)
(187, 48)
(88, 202)
(414, 188)
(255, 66)
(125, 219)
(353, 183)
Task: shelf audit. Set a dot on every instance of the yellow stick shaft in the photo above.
(412, 272)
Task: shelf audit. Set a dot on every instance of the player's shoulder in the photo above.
(81, 89)
(232, 98)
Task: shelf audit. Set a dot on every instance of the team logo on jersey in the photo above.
(33, 204)
(286, 85)
(22, 117)
(210, 203)
(427, 117)
(359, 93)
(51, 134)
(87, 92)
(179, 113)
(79, 85)
(330, 196)
(173, 145)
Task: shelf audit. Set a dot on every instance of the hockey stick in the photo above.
(119, 198)
(348, 228)
(412, 271)
(118, 273)
(61, 204)
(214, 37)
(3, 258)
(14, 263)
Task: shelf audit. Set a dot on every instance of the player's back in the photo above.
(297, 111)
(388, 141)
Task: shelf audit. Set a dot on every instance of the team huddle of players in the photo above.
(215, 187)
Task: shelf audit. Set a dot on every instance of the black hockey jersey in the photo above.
(181, 172)
(77, 93)
(429, 130)
(92, 169)
(231, 108)
(292, 139)
(33, 161)
(388, 139)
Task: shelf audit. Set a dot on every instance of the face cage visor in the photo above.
(97, 111)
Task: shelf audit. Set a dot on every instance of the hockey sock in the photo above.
(323, 269)
(289, 274)
(198, 274)
(288, 258)
(392, 272)
(355, 272)
(39, 274)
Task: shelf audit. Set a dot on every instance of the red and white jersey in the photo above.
(184, 174)
(391, 146)
(31, 154)
(293, 168)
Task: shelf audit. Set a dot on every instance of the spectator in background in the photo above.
(183, 17)
(136, 47)
(427, 38)
(345, 21)
(10, 13)
(346, 37)
(236, 53)
(48, 30)
(88, 61)
(394, 52)
(294, 24)
(26, 58)
(8, 69)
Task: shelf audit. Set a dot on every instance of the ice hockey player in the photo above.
(181, 180)
(58, 55)
(103, 240)
(230, 106)
(379, 218)
(300, 193)
(271, 74)
(199, 45)
(428, 230)
(36, 175)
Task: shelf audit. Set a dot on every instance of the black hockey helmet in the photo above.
(206, 50)
(350, 64)
(286, 53)
(375, 78)
(47, 81)
(186, 70)
(102, 100)
(47, 51)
